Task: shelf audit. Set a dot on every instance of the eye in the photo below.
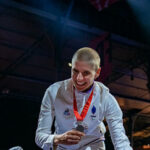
(85, 73)
(75, 71)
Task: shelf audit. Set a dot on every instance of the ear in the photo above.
(97, 73)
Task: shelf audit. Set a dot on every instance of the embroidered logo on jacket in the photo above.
(93, 110)
(67, 113)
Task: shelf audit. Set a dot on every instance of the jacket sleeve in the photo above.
(44, 138)
(113, 115)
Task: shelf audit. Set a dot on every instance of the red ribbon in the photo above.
(85, 108)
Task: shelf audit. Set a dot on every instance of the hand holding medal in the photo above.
(68, 138)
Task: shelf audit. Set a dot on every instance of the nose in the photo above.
(79, 76)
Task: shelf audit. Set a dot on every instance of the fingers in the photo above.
(71, 141)
(75, 132)
(68, 138)
(73, 137)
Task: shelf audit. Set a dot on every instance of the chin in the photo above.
(79, 88)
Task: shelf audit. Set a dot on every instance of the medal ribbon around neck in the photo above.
(85, 108)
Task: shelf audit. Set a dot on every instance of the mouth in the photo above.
(80, 84)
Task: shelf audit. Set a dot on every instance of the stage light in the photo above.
(69, 64)
(146, 146)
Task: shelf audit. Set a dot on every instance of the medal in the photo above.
(80, 117)
(80, 128)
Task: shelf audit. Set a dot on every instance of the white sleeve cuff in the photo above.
(48, 145)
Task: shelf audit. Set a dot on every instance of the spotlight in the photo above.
(69, 64)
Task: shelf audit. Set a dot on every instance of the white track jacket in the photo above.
(58, 102)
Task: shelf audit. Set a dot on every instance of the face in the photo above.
(83, 75)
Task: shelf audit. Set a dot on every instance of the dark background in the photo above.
(37, 41)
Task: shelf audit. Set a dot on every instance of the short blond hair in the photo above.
(89, 55)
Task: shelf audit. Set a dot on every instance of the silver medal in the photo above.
(80, 126)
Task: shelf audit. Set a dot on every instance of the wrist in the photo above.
(56, 140)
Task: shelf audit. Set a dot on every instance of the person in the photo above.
(79, 105)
